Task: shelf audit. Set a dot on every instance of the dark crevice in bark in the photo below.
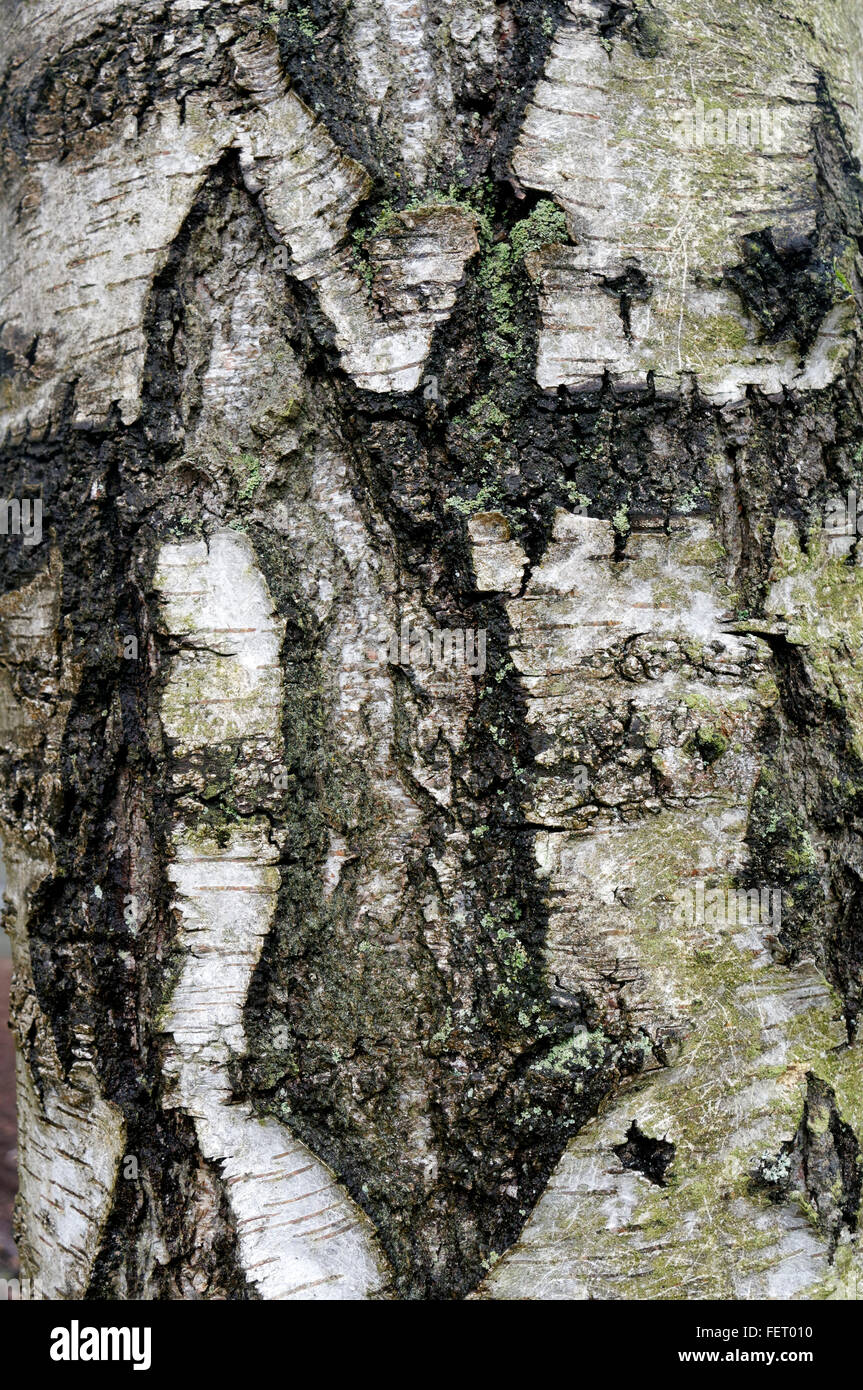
(535, 24)
(311, 45)
(787, 289)
(492, 98)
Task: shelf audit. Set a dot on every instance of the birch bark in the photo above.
(431, 675)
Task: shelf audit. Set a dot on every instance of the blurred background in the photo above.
(8, 1179)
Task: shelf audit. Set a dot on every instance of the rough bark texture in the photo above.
(343, 976)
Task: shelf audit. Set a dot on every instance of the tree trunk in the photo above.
(431, 629)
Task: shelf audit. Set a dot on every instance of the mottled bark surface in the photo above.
(343, 976)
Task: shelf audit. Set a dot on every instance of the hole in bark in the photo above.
(641, 25)
(651, 1157)
(630, 287)
(787, 289)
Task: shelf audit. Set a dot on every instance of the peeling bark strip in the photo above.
(342, 976)
(299, 1233)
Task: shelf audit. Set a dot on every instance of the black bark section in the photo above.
(787, 290)
(820, 1167)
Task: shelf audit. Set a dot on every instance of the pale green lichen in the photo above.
(583, 1050)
